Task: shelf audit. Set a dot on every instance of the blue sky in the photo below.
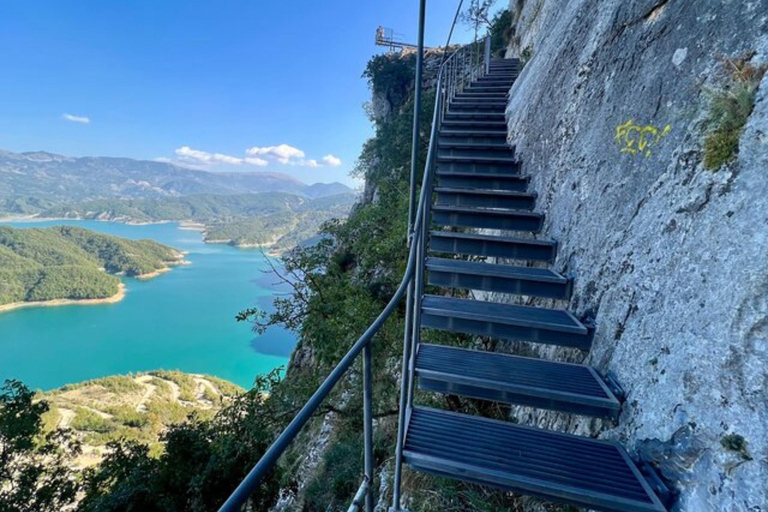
(199, 81)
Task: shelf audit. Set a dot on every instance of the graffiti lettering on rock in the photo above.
(638, 140)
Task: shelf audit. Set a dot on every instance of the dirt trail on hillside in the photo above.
(149, 390)
(201, 385)
(65, 417)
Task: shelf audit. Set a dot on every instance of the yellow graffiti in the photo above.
(635, 139)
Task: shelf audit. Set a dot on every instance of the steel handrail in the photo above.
(413, 273)
(445, 92)
(268, 460)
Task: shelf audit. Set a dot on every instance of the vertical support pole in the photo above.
(487, 54)
(407, 342)
(404, 386)
(416, 117)
(419, 278)
(368, 424)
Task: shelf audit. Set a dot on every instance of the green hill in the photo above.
(278, 220)
(65, 262)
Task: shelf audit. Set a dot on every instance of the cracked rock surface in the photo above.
(671, 259)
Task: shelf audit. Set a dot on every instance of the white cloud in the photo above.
(226, 159)
(258, 156)
(283, 153)
(189, 154)
(331, 160)
(256, 161)
(76, 119)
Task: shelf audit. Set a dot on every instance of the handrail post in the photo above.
(368, 424)
(407, 342)
(487, 66)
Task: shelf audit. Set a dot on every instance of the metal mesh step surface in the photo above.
(483, 181)
(487, 219)
(474, 275)
(485, 198)
(470, 244)
(561, 467)
(507, 321)
(566, 387)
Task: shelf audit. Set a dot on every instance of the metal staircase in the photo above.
(479, 185)
(476, 183)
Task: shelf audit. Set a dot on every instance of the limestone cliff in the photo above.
(669, 257)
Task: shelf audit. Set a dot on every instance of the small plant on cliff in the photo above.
(526, 55)
(736, 443)
(730, 108)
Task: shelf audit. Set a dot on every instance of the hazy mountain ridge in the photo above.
(276, 220)
(35, 181)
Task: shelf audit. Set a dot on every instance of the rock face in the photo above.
(669, 258)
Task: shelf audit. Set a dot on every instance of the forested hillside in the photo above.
(276, 219)
(65, 262)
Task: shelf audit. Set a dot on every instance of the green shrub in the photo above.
(729, 110)
(86, 420)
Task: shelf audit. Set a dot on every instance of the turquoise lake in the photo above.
(181, 320)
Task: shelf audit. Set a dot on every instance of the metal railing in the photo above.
(456, 72)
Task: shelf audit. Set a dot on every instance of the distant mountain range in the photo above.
(33, 182)
(264, 209)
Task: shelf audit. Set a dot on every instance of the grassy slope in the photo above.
(138, 407)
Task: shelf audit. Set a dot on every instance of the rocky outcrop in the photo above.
(668, 257)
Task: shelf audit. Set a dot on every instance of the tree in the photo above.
(478, 15)
(202, 463)
(34, 471)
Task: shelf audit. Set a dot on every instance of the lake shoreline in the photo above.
(184, 225)
(120, 295)
(48, 347)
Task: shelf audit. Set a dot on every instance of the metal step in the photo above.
(472, 136)
(586, 472)
(458, 106)
(487, 219)
(479, 151)
(470, 244)
(571, 388)
(497, 149)
(503, 66)
(475, 124)
(488, 181)
(484, 165)
(491, 95)
(487, 88)
(495, 80)
(485, 198)
(501, 70)
(498, 146)
(507, 321)
(498, 117)
(490, 277)
(484, 99)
